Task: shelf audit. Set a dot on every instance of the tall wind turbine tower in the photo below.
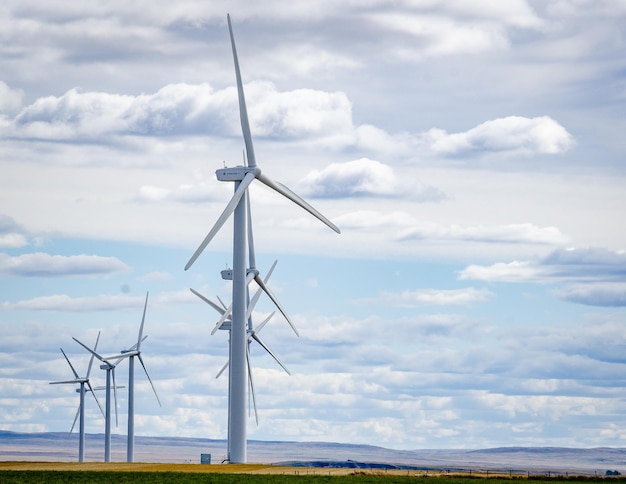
(242, 176)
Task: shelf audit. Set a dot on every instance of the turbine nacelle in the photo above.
(236, 173)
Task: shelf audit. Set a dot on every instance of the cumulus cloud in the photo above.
(436, 297)
(184, 109)
(541, 135)
(41, 264)
(63, 302)
(363, 178)
(10, 99)
(11, 234)
(512, 233)
(607, 294)
(561, 265)
(591, 276)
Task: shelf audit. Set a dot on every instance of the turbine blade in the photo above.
(75, 419)
(91, 351)
(222, 319)
(94, 396)
(286, 192)
(222, 369)
(251, 380)
(69, 363)
(271, 353)
(143, 320)
(95, 348)
(265, 321)
(208, 301)
(221, 302)
(64, 382)
(278, 305)
(230, 208)
(243, 113)
(149, 379)
(257, 294)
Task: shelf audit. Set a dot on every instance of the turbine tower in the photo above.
(80, 412)
(242, 176)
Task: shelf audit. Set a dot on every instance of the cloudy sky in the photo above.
(472, 154)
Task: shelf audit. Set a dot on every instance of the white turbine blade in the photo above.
(64, 382)
(222, 369)
(69, 363)
(208, 301)
(271, 353)
(75, 419)
(256, 296)
(243, 113)
(286, 192)
(95, 397)
(251, 380)
(95, 348)
(230, 208)
(265, 321)
(91, 351)
(221, 302)
(143, 320)
(149, 379)
(222, 319)
(275, 301)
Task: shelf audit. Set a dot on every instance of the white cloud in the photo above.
(591, 276)
(10, 99)
(41, 264)
(561, 265)
(603, 294)
(63, 302)
(11, 234)
(437, 297)
(363, 178)
(513, 233)
(540, 135)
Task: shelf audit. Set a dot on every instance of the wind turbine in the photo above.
(80, 412)
(252, 332)
(109, 366)
(135, 351)
(242, 176)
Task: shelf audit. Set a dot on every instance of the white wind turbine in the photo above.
(80, 412)
(109, 366)
(225, 324)
(131, 353)
(242, 176)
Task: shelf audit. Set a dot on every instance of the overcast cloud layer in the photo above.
(471, 153)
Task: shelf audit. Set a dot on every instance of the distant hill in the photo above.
(61, 446)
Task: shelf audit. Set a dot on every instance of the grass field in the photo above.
(140, 473)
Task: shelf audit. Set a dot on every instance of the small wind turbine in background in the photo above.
(243, 176)
(131, 353)
(109, 367)
(80, 413)
(110, 362)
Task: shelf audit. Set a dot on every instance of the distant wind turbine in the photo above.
(108, 365)
(131, 353)
(242, 176)
(80, 413)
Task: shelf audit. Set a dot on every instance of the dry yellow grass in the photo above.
(216, 468)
